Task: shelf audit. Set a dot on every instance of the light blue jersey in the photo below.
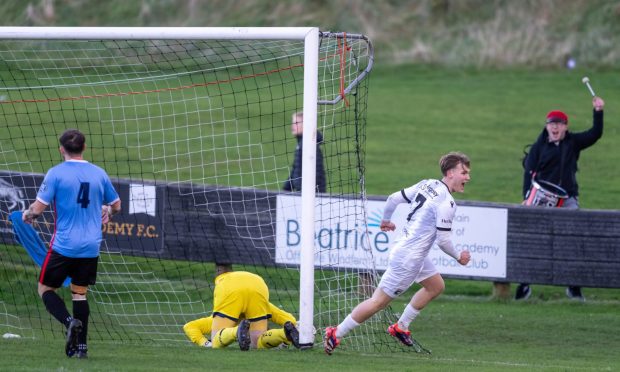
(77, 190)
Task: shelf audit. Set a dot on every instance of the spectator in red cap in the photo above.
(553, 158)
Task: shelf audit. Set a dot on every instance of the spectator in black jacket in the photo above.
(553, 158)
(293, 183)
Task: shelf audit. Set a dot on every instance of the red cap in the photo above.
(557, 117)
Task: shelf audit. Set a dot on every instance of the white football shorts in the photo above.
(398, 277)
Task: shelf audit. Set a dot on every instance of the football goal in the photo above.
(194, 125)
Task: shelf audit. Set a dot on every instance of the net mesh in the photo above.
(196, 136)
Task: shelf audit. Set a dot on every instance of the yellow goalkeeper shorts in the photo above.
(240, 294)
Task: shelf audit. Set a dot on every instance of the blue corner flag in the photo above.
(28, 237)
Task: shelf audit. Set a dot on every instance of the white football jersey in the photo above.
(432, 208)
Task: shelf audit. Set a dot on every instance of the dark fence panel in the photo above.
(228, 226)
(235, 225)
(563, 247)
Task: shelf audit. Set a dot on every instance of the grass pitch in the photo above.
(465, 329)
(415, 115)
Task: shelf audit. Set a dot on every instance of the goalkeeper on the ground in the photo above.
(241, 313)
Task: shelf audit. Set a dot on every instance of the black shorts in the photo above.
(56, 268)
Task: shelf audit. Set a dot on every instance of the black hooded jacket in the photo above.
(293, 183)
(558, 163)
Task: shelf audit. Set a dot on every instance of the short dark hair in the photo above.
(73, 141)
(221, 268)
(452, 160)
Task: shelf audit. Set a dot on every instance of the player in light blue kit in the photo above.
(429, 221)
(82, 197)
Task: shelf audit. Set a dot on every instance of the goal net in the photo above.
(196, 134)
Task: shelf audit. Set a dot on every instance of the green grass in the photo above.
(416, 114)
(465, 332)
(465, 329)
(180, 134)
(173, 121)
(136, 298)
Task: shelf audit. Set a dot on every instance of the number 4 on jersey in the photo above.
(82, 197)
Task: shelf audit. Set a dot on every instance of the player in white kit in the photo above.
(429, 222)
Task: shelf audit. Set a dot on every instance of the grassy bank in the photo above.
(447, 32)
(417, 113)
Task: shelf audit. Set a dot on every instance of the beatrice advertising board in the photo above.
(341, 238)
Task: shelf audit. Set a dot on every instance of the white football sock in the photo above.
(347, 325)
(407, 317)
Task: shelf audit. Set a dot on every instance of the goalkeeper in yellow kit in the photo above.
(241, 313)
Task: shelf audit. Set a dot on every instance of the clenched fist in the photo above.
(464, 258)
